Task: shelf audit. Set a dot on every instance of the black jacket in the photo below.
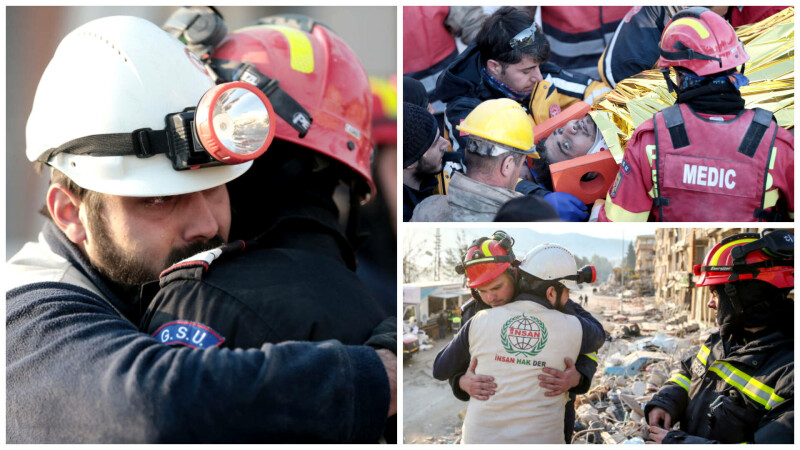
(295, 282)
(78, 371)
(760, 410)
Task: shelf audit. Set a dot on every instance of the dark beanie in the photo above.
(419, 132)
(414, 92)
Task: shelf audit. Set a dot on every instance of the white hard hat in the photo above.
(117, 75)
(551, 262)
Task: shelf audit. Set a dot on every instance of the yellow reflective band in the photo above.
(592, 356)
(694, 23)
(654, 176)
(772, 158)
(479, 261)
(300, 50)
(681, 380)
(746, 384)
(717, 255)
(485, 248)
(649, 149)
(768, 184)
(791, 216)
(771, 198)
(703, 354)
(652, 192)
(619, 214)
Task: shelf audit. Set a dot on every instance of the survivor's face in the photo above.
(521, 76)
(432, 160)
(497, 292)
(132, 239)
(571, 141)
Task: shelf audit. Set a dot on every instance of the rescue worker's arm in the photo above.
(776, 427)
(586, 364)
(116, 384)
(559, 90)
(455, 357)
(630, 197)
(384, 336)
(593, 334)
(674, 395)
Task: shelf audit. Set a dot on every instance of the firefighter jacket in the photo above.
(513, 343)
(684, 166)
(578, 35)
(467, 200)
(744, 396)
(292, 284)
(78, 371)
(586, 364)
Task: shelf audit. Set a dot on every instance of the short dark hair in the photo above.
(498, 30)
(92, 198)
(486, 165)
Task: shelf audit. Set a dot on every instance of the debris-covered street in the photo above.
(646, 341)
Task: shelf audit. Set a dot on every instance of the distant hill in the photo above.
(579, 244)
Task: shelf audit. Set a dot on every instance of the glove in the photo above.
(568, 207)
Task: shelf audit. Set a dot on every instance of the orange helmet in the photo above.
(702, 41)
(318, 70)
(384, 110)
(767, 257)
(487, 259)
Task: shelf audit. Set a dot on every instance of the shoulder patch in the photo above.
(555, 110)
(205, 258)
(625, 166)
(190, 334)
(617, 181)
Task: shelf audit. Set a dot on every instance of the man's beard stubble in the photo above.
(134, 270)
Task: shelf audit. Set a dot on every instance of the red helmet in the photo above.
(320, 71)
(702, 41)
(487, 259)
(384, 110)
(750, 256)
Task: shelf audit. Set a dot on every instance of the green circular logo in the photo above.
(523, 335)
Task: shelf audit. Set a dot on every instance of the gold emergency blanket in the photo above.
(770, 44)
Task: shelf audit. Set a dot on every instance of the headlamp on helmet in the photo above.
(232, 124)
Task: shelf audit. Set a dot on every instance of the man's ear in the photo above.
(507, 166)
(552, 295)
(64, 207)
(413, 165)
(494, 68)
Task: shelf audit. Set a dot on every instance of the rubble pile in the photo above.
(643, 349)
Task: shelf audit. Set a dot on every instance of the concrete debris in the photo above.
(643, 349)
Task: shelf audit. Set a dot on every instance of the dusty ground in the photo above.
(430, 411)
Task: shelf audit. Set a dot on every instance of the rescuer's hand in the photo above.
(561, 380)
(389, 361)
(568, 207)
(479, 387)
(657, 434)
(659, 417)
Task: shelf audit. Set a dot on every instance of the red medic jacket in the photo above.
(678, 167)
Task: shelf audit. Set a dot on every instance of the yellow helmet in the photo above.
(502, 121)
